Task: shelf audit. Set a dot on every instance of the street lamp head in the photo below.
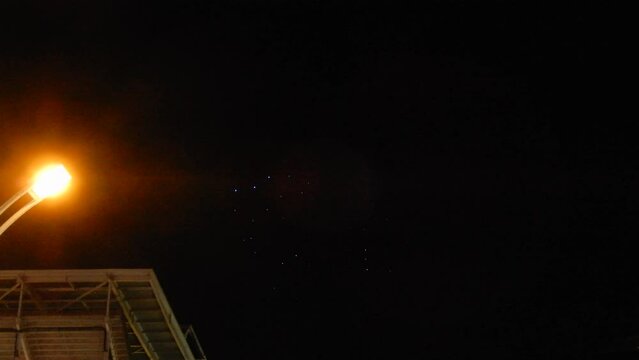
(50, 181)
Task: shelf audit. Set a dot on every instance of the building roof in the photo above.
(87, 314)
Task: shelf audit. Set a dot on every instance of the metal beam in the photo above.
(135, 326)
(171, 322)
(191, 332)
(107, 324)
(64, 276)
(34, 296)
(85, 294)
(25, 347)
(17, 285)
(22, 337)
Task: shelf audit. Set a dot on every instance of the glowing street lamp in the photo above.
(49, 182)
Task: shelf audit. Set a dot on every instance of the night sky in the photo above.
(335, 179)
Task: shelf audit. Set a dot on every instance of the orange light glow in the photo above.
(51, 181)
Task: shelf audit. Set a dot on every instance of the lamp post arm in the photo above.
(17, 214)
(14, 198)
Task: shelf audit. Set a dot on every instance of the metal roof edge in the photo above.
(172, 323)
(64, 275)
(112, 275)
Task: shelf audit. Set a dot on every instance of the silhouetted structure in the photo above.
(119, 314)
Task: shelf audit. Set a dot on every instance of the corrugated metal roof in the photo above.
(87, 314)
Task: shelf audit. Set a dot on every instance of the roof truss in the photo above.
(119, 314)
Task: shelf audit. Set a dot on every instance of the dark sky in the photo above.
(334, 179)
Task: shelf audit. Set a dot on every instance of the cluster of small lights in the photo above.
(296, 255)
(253, 188)
(365, 259)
